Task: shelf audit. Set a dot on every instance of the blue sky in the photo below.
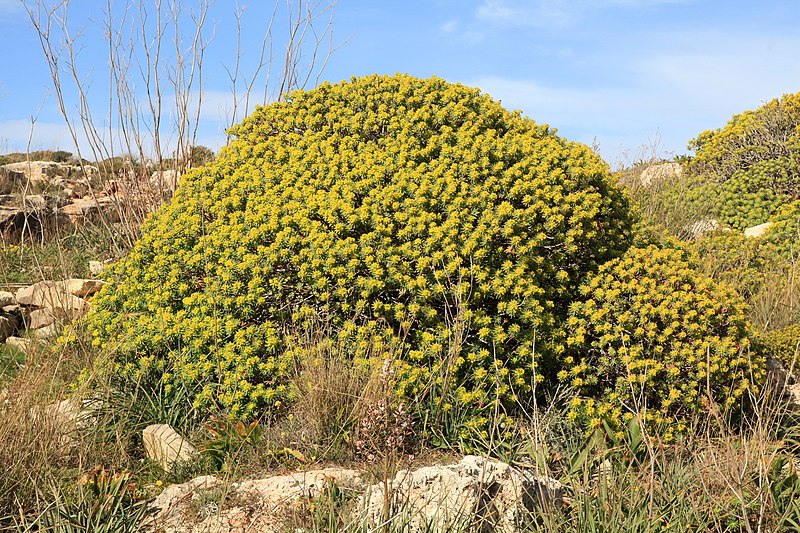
(621, 73)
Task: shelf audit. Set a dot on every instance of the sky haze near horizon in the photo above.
(619, 74)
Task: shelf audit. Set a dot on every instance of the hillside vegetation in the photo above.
(391, 268)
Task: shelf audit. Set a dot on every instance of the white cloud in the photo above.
(730, 71)
(678, 89)
(449, 27)
(514, 13)
(552, 13)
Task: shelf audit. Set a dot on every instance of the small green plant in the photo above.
(103, 502)
(226, 440)
(783, 484)
(11, 359)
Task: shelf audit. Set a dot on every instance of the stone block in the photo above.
(166, 447)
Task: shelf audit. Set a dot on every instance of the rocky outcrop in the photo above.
(263, 505)
(477, 494)
(39, 197)
(7, 299)
(40, 309)
(28, 217)
(660, 171)
(95, 209)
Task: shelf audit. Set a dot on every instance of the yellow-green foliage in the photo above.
(753, 163)
(784, 234)
(387, 208)
(732, 258)
(784, 345)
(655, 337)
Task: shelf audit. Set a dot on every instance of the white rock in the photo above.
(47, 332)
(96, 268)
(660, 171)
(475, 491)
(702, 226)
(83, 288)
(38, 170)
(166, 180)
(23, 345)
(40, 318)
(53, 295)
(757, 231)
(7, 298)
(269, 502)
(93, 210)
(477, 494)
(165, 446)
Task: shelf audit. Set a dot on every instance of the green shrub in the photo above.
(752, 163)
(654, 337)
(392, 210)
(730, 257)
(783, 344)
(58, 156)
(783, 236)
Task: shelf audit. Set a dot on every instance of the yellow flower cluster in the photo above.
(385, 207)
(784, 345)
(654, 337)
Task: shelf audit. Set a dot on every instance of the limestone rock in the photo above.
(52, 295)
(477, 494)
(166, 180)
(18, 313)
(96, 268)
(10, 179)
(757, 231)
(21, 222)
(50, 170)
(6, 299)
(101, 208)
(793, 394)
(660, 171)
(83, 287)
(47, 332)
(37, 170)
(40, 318)
(21, 344)
(262, 504)
(65, 413)
(165, 446)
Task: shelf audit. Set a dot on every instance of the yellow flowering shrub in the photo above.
(653, 337)
(387, 208)
(753, 163)
(783, 236)
(730, 257)
(784, 345)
